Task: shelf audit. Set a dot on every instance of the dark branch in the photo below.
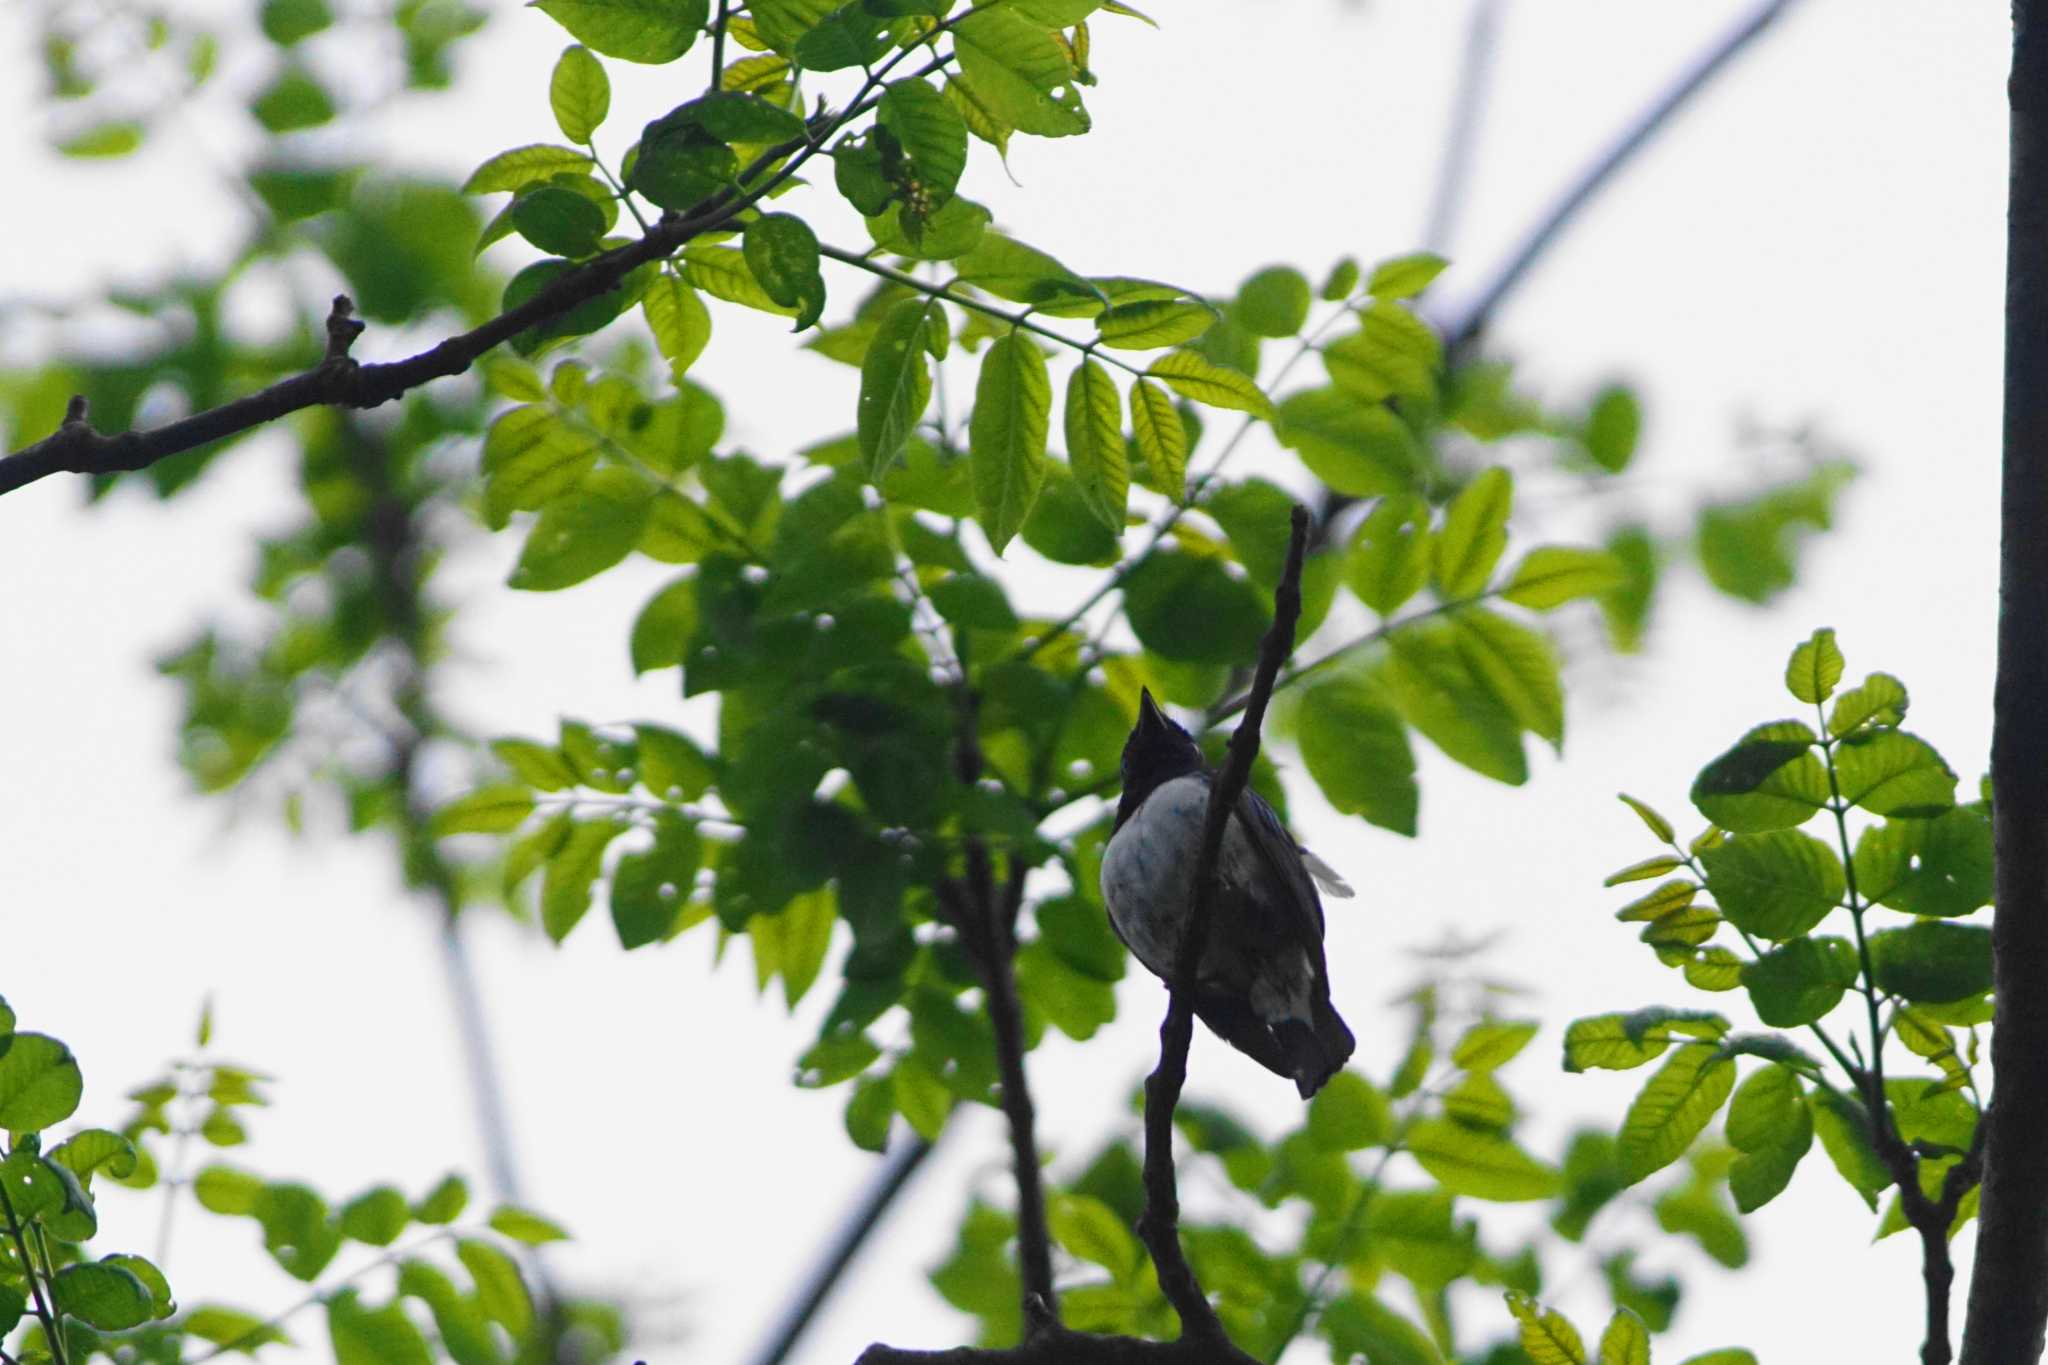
(986, 920)
(860, 1221)
(1160, 1225)
(339, 381)
(1465, 326)
(2009, 1288)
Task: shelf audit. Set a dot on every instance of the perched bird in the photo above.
(1262, 985)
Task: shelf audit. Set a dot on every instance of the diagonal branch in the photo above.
(1160, 1225)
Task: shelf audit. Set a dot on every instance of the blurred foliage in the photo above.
(849, 604)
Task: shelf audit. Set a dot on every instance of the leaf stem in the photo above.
(52, 1329)
(320, 1295)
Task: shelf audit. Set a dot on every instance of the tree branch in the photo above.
(2008, 1304)
(897, 1168)
(1160, 1225)
(1464, 326)
(1062, 1346)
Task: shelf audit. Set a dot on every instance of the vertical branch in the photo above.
(2009, 1289)
(1160, 1225)
(1467, 104)
(987, 922)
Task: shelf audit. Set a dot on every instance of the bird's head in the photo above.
(1157, 751)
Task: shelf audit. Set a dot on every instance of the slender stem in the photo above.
(321, 1295)
(174, 1171)
(52, 1328)
(1020, 319)
(1453, 171)
(1874, 1092)
(718, 45)
(854, 1231)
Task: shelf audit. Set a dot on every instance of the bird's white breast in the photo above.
(1149, 866)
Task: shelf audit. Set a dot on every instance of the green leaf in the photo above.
(1011, 270)
(1776, 885)
(1019, 73)
(920, 1097)
(974, 600)
(1189, 608)
(1933, 961)
(1006, 435)
(1161, 436)
(1095, 442)
(1658, 826)
(91, 1150)
(580, 93)
(1797, 983)
(782, 252)
(1731, 1355)
(444, 1203)
(1192, 377)
(585, 532)
(1644, 870)
(103, 1295)
(1388, 559)
(376, 1217)
(1844, 1131)
(1152, 323)
(1348, 1114)
(1359, 449)
(1430, 683)
(1814, 668)
(1392, 354)
(1880, 700)
(1517, 665)
(650, 888)
(1546, 1334)
(1492, 1043)
(1626, 1340)
(1359, 1325)
(293, 102)
(1475, 532)
(565, 887)
(1342, 279)
(1770, 1123)
(225, 1190)
(1889, 772)
(932, 133)
(678, 318)
(1770, 780)
(664, 626)
(895, 383)
(1089, 1229)
(653, 31)
(1673, 1108)
(525, 1226)
(1403, 277)
(500, 1289)
(531, 457)
(1552, 575)
(1274, 302)
(1941, 867)
(559, 221)
(231, 1329)
(672, 767)
(1483, 1165)
(738, 116)
(112, 138)
(1356, 749)
(1612, 428)
(534, 164)
(39, 1082)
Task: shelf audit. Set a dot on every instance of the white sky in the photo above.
(1818, 238)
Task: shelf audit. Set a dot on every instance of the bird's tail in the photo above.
(1315, 1052)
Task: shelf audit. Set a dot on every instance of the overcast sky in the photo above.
(1819, 239)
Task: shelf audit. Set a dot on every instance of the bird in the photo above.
(1263, 985)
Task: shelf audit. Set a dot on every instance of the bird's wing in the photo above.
(1277, 850)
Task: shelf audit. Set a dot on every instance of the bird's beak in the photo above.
(1150, 717)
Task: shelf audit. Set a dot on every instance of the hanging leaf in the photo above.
(1006, 435)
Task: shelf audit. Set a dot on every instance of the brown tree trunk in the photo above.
(2009, 1289)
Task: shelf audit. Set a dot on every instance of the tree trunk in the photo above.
(2009, 1289)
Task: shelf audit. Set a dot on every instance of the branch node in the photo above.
(77, 411)
(343, 327)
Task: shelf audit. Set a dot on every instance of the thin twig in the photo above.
(854, 1230)
(1160, 1224)
(1465, 325)
(1454, 170)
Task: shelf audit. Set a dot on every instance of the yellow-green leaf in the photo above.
(495, 809)
(1095, 442)
(1006, 435)
(1547, 1335)
(895, 383)
(579, 92)
(1475, 532)
(1193, 377)
(523, 166)
(1551, 575)
(1162, 438)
